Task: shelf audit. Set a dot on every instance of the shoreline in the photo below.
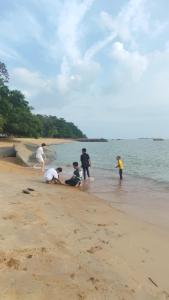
(107, 186)
(61, 241)
(138, 196)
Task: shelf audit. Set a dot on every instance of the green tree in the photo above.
(4, 76)
(2, 121)
(16, 117)
(20, 121)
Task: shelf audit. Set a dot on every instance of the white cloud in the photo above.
(131, 19)
(57, 91)
(28, 78)
(51, 47)
(32, 84)
(8, 53)
(94, 49)
(135, 62)
(69, 32)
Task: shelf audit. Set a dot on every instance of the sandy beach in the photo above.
(61, 243)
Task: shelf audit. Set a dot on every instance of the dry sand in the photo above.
(60, 243)
(39, 141)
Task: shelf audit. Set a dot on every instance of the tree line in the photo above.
(17, 119)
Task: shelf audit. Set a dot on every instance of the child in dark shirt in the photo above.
(85, 163)
(75, 180)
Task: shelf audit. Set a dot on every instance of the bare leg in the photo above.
(87, 169)
(121, 174)
(43, 166)
(84, 173)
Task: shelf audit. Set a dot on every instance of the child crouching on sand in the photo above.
(75, 180)
(52, 175)
(120, 166)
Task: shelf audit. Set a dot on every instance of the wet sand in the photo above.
(61, 243)
(140, 197)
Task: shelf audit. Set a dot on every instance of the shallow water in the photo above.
(145, 158)
(144, 191)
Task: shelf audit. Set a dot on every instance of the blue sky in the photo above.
(102, 64)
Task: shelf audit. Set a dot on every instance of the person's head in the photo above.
(84, 150)
(59, 170)
(118, 157)
(75, 164)
(43, 144)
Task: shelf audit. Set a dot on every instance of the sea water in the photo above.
(144, 191)
(145, 158)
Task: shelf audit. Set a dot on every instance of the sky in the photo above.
(103, 65)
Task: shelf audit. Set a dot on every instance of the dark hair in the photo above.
(75, 164)
(84, 150)
(118, 157)
(43, 145)
(59, 169)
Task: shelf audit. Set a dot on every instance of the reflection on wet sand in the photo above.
(141, 197)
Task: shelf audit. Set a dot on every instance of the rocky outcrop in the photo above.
(26, 154)
(23, 154)
(7, 151)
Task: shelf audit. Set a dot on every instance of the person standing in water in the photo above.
(120, 166)
(40, 156)
(85, 163)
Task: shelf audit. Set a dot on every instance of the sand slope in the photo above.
(59, 243)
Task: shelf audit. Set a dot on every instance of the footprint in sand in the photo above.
(166, 295)
(104, 242)
(10, 217)
(72, 275)
(93, 280)
(13, 263)
(2, 259)
(81, 296)
(43, 250)
(60, 244)
(120, 235)
(116, 224)
(94, 249)
(145, 250)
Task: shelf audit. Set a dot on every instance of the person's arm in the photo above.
(57, 180)
(81, 159)
(56, 177)
(89, 161)
(74, 174)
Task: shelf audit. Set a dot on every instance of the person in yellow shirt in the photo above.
(120, 166)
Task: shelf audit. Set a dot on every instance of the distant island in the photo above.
(92, 140)
(158, 139)
(154, 139)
